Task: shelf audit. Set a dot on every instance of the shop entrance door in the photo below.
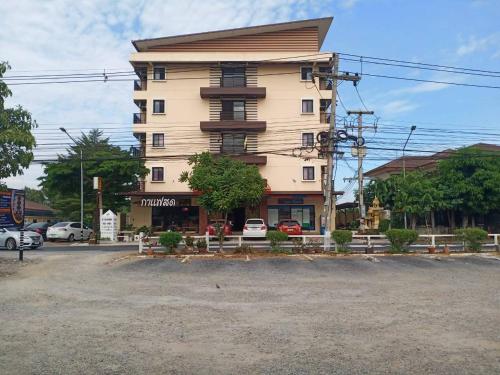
(237, 218)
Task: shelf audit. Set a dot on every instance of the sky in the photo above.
(60, 36)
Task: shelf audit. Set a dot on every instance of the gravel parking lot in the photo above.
(95, 312)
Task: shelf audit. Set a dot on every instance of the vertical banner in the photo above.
(12, 208)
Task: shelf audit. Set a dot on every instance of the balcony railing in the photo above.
(140, 85)
(233, 81)
(138, 152)
(141, 186)
(233, 115)
(324, 117)
(140, 118)
(325, 84)
(232, 149)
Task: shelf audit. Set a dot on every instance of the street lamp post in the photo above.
(412, 129)
(81, 181)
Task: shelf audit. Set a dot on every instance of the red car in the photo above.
(291, 227)
(212, 227)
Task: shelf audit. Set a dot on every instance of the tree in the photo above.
(35, 195)
(224, 184)
(120, 173)
(470, 181)
(16, 140)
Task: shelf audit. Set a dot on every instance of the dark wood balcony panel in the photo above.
(251, 159)
(248, 159)
(227, 92)
(232, 125)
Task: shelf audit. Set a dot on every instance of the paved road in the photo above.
(99, 312)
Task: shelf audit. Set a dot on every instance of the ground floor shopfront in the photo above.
(181, 212)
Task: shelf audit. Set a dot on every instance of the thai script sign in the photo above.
(109, 226)
(12, 208)
(158, 202)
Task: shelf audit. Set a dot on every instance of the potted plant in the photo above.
(189, 242)
(342, 238)
(170, 240)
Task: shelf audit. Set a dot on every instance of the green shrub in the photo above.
(243, 249)
(276, 237)
(189, 241)
(384, 225)
(341, 238)
(400, 238)
(354, 225)
(201, 244)
(472, 237)
(148, 231)
(170, 240)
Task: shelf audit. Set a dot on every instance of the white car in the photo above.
(68, 231)
(10, 238)
(255, 228)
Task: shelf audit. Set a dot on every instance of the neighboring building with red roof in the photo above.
(35, 212)
(422, 163)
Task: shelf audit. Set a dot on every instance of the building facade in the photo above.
(248, 93)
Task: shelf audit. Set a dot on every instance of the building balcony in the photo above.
(228, 125)
(247, 158)
(324, 117)
(232, 90)
(251, 159)
(232, 120)
(139, 118)
(140, 85)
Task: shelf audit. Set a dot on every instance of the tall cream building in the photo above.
(244, 92)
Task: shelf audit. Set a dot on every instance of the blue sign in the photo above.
(12, 208)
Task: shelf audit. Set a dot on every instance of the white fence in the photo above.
(360, 243)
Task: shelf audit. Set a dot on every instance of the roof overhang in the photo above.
(323, 25)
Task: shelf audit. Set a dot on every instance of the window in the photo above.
(158, 106)
(75, 225)
(159, 73)
(233, 110)
(307, 106)
(233, 143)
(157, 173)
(303, 214)
(308, 173)
(307, 139)
(158, 140)
(306, 73)
(233, 77)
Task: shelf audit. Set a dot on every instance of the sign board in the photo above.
(158, 202)
(294, 200)
(12, 208)
(109, 226)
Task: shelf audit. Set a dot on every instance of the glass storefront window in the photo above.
(303, 214)
(184, 218)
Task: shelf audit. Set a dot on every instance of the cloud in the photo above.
(396, 107)
(474, 44)
(347, 4)
(63, 36)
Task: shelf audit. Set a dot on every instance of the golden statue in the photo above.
(374, 212)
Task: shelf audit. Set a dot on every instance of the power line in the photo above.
(421, 63)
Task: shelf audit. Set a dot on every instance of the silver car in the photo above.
(10, 238)
(68, 231)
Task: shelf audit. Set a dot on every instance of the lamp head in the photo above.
(413, 128)
(63, 130)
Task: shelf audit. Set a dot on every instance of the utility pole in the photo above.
(412, 129)
(98, 210)
(360, 152)
(81, 180)
(329, 208)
